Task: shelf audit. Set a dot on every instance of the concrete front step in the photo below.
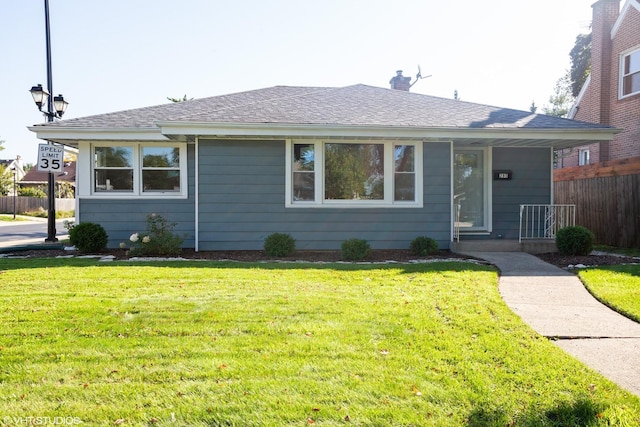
(504, 245)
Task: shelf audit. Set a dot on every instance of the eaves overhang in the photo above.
(71, 135)
(496, 136)
(188, 131)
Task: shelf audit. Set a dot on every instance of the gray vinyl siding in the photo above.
(242, 201)
(531, 184)
(123, 217)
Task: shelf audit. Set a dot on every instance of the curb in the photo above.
(35, 247)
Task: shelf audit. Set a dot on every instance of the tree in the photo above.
(568, 86)
(354, 171)
(533, 107)
(562, 99)
(580, 62)
(184, 98)
(6, 180)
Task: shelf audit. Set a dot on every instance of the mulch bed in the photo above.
(334, 256)
(587, 260)
(258, 256)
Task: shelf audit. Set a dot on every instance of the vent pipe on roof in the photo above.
(399, 82)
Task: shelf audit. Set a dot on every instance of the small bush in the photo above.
(158, 240)
(423, 246)
(575, 240)
(279, 245)
(355, 249)
(88, 237)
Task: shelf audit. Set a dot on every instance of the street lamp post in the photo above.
(56, 106)
(15, 193)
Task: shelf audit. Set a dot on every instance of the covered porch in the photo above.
(538, 226)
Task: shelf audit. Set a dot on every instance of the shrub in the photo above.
(40, 213)
(355, 249)
(423, 246)
(575, 240)
(88, 237)
(279, 245)
(158, 240)
(32, 192)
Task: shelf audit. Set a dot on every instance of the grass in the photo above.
(42, 213)
(26, 216)
(618, 286)
(9, 217)
(228, 344)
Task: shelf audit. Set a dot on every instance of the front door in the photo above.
(471, 189)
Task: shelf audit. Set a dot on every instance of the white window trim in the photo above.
(389, 168)
(621, 76)
(86, 174)
(584, 157)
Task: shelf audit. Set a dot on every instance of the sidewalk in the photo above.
(556, 304)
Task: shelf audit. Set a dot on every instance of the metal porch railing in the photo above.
(540, 222)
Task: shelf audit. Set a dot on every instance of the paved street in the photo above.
(33, 231)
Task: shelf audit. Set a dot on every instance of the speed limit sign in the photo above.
(50, 158)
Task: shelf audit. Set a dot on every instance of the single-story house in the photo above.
(324, 164)
(36, 179)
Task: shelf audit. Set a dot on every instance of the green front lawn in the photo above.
(230, 344)
(618, 286)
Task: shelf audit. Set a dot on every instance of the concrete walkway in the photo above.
(556, 304)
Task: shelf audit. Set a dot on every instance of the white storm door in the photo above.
(471, 189)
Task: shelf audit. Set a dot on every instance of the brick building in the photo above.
(611, 94)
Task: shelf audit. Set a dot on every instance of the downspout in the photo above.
(551, 163)
(196, 182)
(451, 191)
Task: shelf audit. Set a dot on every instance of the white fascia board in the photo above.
(578, 100)
(284, 131)
(62, 134)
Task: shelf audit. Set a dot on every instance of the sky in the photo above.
(120, 54)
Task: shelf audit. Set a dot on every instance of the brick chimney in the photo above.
(605, 14)
(399, 82)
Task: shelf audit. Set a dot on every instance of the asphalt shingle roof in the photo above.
(358, 105)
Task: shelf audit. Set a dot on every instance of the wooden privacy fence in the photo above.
(31, 204)
(607, 199)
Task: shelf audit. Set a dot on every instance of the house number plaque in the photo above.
(502, 175)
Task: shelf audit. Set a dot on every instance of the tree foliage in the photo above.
(568, 86)
(354, 171)
(6, 180)
(580, 62)
(561, 101)
(184, 98)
